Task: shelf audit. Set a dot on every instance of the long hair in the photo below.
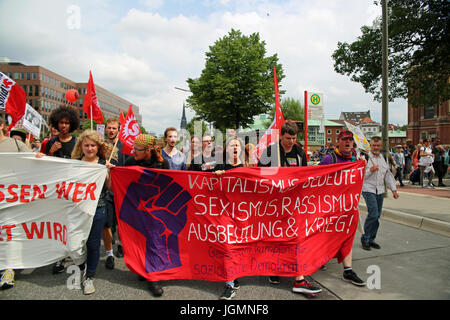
(104, 149)
(241, 155)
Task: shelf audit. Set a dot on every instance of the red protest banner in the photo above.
(194, 225)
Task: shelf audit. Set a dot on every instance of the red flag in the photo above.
(272, 133)
(13, 99)
(129, 130)
(278, 112)
(91, 102)
(121, 118)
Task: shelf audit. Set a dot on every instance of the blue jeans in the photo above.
(94, 241)
(374, 203)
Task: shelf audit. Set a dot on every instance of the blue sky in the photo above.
(142, 49)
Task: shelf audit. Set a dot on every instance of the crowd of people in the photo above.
(90, 146)
(427, 160)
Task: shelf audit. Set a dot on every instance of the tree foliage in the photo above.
(419, 50)
(292, 110)
(236, 83)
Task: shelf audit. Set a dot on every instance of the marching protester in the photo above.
(344, 153)
(234, 150)
(148, 155)
(53, 133)
(195, 150)
(66, 121)
(90, 147)
(117, 158)
(8, 144)
(205, 161)
(291, 155)
(377, 175)
(176, 158)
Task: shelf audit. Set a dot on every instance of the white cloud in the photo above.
(142, 55)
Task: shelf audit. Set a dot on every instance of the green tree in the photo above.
(419, 48)
(236, 83)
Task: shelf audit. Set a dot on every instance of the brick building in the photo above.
(46, 91)
(429, 122)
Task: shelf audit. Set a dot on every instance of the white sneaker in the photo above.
(7, 279)
(88, 286)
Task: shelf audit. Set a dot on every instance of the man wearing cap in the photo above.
(147, 154)
(344, 152)
(376, 176)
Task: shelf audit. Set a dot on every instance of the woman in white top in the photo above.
(426, 163)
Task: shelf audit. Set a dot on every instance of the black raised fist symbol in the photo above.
(156, 207)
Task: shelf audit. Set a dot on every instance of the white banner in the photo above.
(359, 137)
(32, 121)
(5, 87)
(46, 208)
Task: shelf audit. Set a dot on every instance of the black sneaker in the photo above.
(305, 287)
(274, 280)
(365, 245)
(155, 289)
(236, 284)
(58, 267)
(375, 245)
(109, 263)
(228, 293)
(350, 276)
(119, 253)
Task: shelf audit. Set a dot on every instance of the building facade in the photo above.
(317, 139)
(429, 122)
(46, 91)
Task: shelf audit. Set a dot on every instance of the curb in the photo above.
(427, 224)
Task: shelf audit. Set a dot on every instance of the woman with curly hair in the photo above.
(91, 148)
(65, 120)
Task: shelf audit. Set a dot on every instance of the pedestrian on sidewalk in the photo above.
(377, 175)
(399, 163)
(426, 163)
(439, 158)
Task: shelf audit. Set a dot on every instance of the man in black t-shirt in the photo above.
(65, 120)
(291, 155)
(206, 160)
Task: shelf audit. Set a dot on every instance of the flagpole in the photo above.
(91, 118)
(306, 125)
(115, 145)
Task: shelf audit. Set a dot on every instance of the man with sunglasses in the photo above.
(344, 152)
